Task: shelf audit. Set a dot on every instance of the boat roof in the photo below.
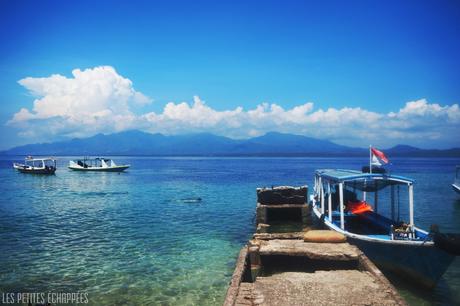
(30, 158)
(341, 175)
(95, 158)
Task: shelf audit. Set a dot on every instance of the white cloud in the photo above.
(422, 109)
(99, 100)
(92, 100)
(417, 122)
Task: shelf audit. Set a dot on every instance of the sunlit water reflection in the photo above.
(130, 238)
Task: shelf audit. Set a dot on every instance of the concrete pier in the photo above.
(280, 268)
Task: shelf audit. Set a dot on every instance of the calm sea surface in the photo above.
(131, 238)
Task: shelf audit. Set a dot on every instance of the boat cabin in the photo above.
(97, 162)
(367, 204)
(31, 162)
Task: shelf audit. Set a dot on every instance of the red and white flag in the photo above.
(379, 155)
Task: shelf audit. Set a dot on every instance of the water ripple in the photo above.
(132, 239)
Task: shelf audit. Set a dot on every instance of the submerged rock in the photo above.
(191, 200)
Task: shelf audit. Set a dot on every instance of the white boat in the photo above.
(456, 184)
(365, 207)
(36, 165)
(96, 164)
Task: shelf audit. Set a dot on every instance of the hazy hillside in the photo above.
(271, 144)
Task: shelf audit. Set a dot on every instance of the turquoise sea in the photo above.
(136, 238)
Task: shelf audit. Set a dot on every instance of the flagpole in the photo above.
(370, 159)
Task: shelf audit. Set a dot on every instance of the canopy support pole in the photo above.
(370, 159)
(315, 190)
(411, 206)
(321, 190)
(342, 220)
(329, 200)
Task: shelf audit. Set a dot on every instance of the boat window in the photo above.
(392, 200)
(370, 185)
(348, 195)
(49, 163)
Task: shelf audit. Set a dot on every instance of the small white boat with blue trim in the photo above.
(96, 164)
(45, 165)
(367, 209)
(456, 184)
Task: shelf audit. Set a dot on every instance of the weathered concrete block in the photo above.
(255, 262)
(261, 214)
(262, 228)
(306, 215)
(282, 195)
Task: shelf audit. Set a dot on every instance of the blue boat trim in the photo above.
(341, 175)
(335, 225)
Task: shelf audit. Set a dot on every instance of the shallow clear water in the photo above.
(141, 237)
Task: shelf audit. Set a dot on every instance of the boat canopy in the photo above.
(102, 159)
(30, 158)
(42, 162)
(345, 175)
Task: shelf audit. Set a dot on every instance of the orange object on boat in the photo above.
(358, 207)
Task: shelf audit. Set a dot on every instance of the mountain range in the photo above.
(135, 142)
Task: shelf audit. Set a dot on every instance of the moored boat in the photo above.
(456, 184)
(367, 208)
(96, 164)
(37, 165)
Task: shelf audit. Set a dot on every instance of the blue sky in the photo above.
(393, 62)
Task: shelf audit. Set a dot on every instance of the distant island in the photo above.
(136, 142)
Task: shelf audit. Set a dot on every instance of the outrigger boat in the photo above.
(36, 165)
(456, 184)
(393, 245)
(96, 164)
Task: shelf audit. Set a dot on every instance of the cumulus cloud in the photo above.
(93, 100)
(197, 117)
(415, 123)
(100, 100)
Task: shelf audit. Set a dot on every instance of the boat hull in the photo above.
(423, 264)
(48, 171)
(100, 169)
